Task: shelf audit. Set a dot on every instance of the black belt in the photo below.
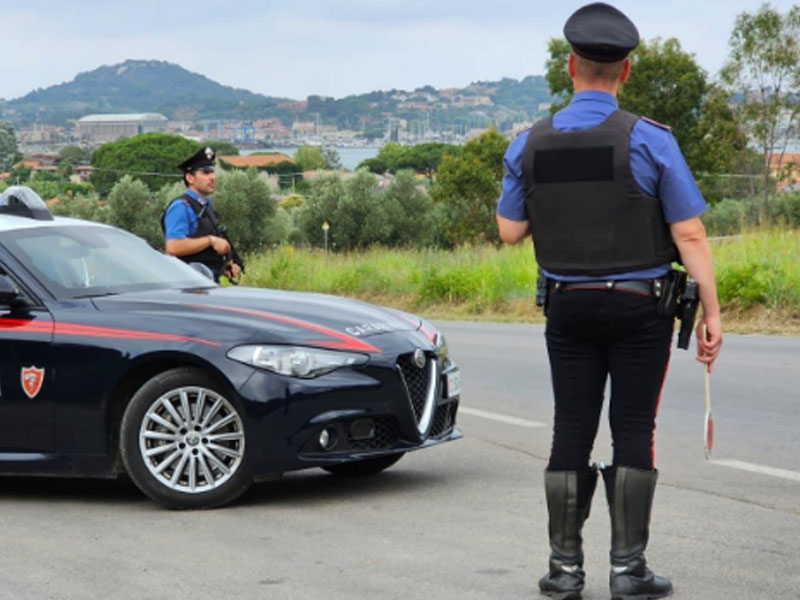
(645, 287)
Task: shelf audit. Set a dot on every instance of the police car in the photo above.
(115, 358)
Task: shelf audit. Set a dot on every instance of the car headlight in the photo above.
(296, 361)
(440, 345)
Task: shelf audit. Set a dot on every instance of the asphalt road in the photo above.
(465, 520)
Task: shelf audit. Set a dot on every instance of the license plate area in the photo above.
(452, 384)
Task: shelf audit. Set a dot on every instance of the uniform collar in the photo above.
(595, 96)
(191, 193)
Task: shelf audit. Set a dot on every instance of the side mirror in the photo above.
(9, 292)
(202, 269)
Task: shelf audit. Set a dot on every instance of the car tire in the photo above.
(182, 441)
(364, 467)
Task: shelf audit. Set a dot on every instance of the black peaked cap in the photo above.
(601, 33)
(203, 158)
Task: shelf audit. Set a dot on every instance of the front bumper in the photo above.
(384, 408)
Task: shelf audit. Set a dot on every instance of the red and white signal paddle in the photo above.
(708, 428)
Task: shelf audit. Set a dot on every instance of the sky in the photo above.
(297, 48)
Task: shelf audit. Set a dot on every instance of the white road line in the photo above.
(761, 469)
(500, 418)
(730, 463)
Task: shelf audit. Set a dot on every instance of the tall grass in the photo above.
(477, 279)
(759, 269)
(755, 269)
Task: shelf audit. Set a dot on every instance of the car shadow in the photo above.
(317, 486)
(309, 487)
(69, 489)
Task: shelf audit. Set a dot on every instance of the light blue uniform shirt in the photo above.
(657, 164)
(180, 221)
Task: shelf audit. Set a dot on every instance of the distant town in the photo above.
(95, 129)
(154, 96)
(98, 129)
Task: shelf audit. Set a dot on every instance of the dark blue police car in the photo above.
(115, 358)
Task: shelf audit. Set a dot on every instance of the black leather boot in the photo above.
(569, 498)
(630, 496)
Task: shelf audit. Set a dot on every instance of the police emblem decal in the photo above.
(32, 379)
(419, 358)
(209, 153)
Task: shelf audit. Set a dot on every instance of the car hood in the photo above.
(240, 314)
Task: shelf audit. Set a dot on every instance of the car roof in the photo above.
(14, 222)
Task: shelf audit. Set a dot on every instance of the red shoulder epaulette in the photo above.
(656, 123)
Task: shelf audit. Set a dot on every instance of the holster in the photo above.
(673, 286)
(542, 290)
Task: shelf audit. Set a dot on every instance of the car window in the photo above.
(80, 261)
(24, 296)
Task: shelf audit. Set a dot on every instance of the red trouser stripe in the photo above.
(655, 414)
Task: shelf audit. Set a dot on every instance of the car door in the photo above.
(27, 377)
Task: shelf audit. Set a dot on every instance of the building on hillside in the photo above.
(80, 173)
(254, 160)
(37, 165)
(44, 159)
(301, 129)
(786, 170)
(42, 134)
(267, 130)
(107, 128)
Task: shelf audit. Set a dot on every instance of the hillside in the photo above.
(162, 87)
(137, 86)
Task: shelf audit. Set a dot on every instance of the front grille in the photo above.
(385, 436)
(444, 419)
(416, 381)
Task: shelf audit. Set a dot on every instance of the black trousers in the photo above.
(593, 335)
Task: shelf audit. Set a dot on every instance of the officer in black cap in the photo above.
(600, 33)
(610, 203)
(191, 227)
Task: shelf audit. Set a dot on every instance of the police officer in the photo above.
(191, 227)
(610, 203)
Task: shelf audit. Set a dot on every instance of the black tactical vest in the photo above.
(588, 215)
(206, 217)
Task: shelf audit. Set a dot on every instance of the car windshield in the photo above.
(79, 261)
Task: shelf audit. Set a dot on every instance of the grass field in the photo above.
(758, 277)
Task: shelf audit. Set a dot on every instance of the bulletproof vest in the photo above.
(588, 216)
(206, 225)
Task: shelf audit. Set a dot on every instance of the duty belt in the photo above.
(644, 287)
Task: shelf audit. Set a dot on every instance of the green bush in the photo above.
(360, 214)
(245, 206)
(785, 210)
(279, 228)
(727, 217)
(132, 207)
(81, 206)
(151, 157)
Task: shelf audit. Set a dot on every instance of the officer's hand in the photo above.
(709, 340)
(232, 271)
(220, 245)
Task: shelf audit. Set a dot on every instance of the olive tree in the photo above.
(763, 71)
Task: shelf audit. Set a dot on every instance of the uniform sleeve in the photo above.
(179, 222)
(511, 204)
(660, 170)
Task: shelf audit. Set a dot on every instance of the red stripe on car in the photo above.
(346, 342)
(77, 329)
